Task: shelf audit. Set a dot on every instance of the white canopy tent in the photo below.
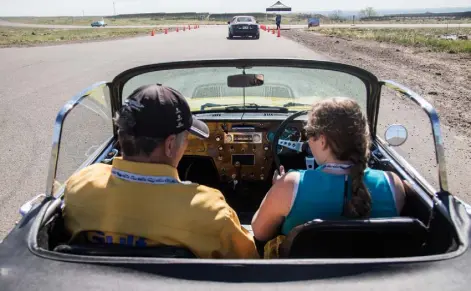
(277, 7)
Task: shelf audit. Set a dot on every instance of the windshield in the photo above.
(244, 19)
(281, 85)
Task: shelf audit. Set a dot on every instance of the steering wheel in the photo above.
(294, 145)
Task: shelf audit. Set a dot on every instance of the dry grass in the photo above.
(14, 36)
(423, 37)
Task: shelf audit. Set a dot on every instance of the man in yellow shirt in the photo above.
(140, 200)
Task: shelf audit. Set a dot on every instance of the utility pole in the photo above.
(114, 8)
(83, 13)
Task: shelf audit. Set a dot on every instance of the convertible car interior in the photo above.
(238, 160)
(247, 144)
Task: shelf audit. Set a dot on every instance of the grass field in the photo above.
(423, 37)
(14, 36)
(110, 21)
(292, 18)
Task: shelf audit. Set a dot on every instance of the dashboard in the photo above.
(241, 149)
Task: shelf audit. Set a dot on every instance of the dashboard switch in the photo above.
(265, 147)
(220, 148)
(220, 158)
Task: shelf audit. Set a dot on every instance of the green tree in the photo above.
(368, 12)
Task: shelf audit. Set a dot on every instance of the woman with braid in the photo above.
(341, 187)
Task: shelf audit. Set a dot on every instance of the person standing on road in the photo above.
(278, 21)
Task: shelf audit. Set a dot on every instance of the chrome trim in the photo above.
(293, 145)
(57, 134)
(26, 207)
(466, 205)
(435, 124)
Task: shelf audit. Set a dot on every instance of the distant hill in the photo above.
(400, 11)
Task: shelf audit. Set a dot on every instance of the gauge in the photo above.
(256, 138)
(228, 138)
(291, 133)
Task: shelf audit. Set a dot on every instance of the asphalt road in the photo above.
(378, 25)
(36, 83)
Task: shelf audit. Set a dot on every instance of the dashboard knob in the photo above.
(237, 164)
(218, 138)
(220, 158)
(262, 177)
(220, 148)
(265, 147)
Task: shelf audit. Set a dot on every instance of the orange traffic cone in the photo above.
(273, 31)
(177, 29)
(183, 28)
(166, 30)
(152, 33)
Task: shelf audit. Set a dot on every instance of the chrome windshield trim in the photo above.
(57, 134)
(435, 124)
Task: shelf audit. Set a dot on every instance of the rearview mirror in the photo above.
(245, 80)
(396, 135)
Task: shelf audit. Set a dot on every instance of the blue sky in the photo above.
(105, 7)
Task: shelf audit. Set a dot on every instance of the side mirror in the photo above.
(396, 135)
(245, 80)
(228, 22)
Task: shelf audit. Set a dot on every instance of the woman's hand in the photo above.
(277, 176)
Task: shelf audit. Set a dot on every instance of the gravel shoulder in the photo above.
(443, 79)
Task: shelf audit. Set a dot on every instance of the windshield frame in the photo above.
(372, 85)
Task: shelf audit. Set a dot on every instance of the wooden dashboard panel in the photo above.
(241, 161)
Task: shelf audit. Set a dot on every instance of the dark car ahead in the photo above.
(244, 26)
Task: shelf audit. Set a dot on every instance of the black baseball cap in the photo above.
(160, 111)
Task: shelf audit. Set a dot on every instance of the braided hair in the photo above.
(345, 128)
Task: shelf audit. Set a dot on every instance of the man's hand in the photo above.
(277, 176)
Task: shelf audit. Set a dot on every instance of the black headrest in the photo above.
(377, 237)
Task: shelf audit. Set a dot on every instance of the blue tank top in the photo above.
(321, 195)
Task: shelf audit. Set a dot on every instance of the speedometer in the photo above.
(291, 133)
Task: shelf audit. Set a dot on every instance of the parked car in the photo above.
(256, 110)
(244, 26)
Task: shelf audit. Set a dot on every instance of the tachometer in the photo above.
(291, 133)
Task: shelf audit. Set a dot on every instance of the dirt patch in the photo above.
(444, 79)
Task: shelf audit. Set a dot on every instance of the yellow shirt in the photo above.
(177, 214)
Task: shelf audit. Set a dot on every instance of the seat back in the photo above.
(370, 238)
